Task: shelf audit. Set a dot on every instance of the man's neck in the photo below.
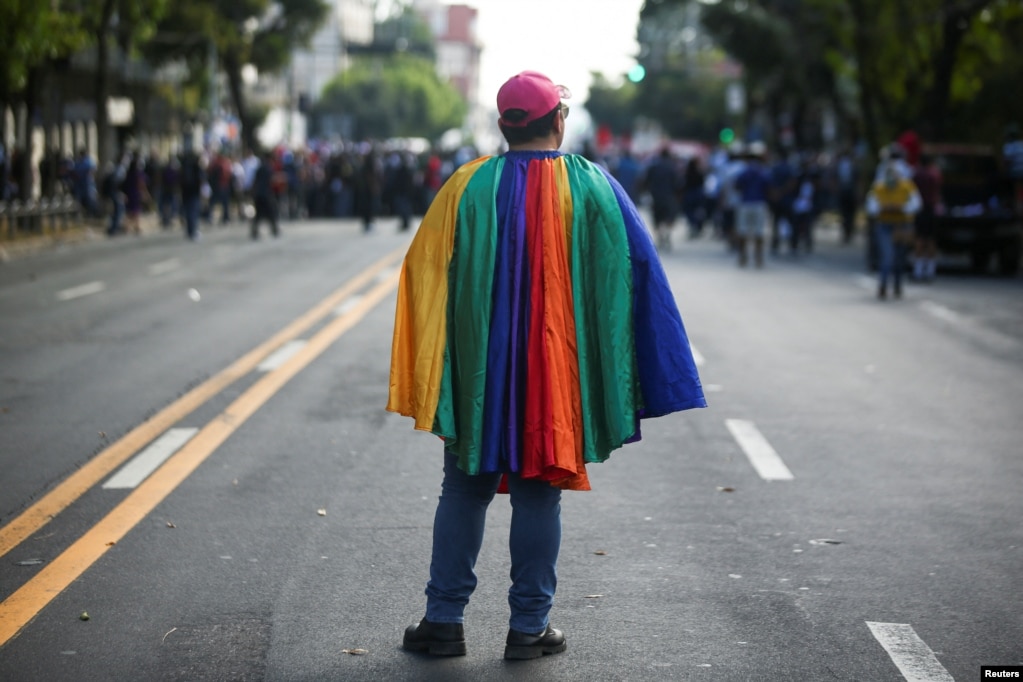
(551, 143)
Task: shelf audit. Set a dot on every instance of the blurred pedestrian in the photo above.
(662, 182)
(804, 210)
(692, 196)
(135, 194)
(85, 190)
(221, 179)
(264, 197)
(892, 202)
(168, 204)
(369, 186)
(925, 249)
(753, 185)
(190, 184)
(534, 328)
(847, 184)
(110, 189)
(784, 182)
(403, 190)
(627, 172)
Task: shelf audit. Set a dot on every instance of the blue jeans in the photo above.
(116, 215)
(534, 541)
(190, 211)
(891, 254)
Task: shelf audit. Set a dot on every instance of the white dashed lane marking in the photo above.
(697, 357)
(281, 355)
(350, 304)
(941, 312)
(911, 655)
(759, 452)
(146, 462)
(81, 290)
(164, 266)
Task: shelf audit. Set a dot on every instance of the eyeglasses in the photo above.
(564, 110)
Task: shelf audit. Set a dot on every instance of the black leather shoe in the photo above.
(436, 639)
(522, 645)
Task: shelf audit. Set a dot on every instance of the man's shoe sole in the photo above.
(437, 648)
(523, 653)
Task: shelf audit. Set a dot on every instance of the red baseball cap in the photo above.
(530, 92)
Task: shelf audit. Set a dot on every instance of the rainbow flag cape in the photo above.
(535, 326)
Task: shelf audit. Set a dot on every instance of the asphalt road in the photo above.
(194, 453)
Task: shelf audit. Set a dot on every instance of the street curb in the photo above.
(20, 248)
(11, 250)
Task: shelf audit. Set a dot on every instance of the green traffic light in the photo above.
(637, 73)
(727, 136)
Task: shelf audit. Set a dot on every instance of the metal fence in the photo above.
(20, 218)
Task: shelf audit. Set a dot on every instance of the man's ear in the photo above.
(559, 123)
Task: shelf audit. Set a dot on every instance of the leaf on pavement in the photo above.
(355, 652)
(321, 512)
(726, 489)
(600, 552)
(594, 596)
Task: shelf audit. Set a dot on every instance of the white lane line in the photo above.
(146, 462)
(281, 355)
(760, 453)
(81, 290)
(911, 655)
(164, 266)
(941, 312)
(697, 357)
(865, 282)
(349, 303)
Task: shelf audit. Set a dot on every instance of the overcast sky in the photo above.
(565, 39)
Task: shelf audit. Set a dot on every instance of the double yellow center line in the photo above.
(23, 605)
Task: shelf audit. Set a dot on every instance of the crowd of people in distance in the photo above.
(757, 201)
(747, 197)
(338, 180)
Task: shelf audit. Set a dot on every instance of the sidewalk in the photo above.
(20, 246)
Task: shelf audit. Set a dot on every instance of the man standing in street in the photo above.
(892, 202)
(264, 198)
(191, 182)
(751, 215)
(534, 328)
(662, 182)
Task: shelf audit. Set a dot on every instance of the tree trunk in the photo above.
(5, 153)
(233, 69)
(102, 83)
(861, 45)
(954, 28)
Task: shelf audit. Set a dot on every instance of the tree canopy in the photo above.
(400, 96)
(30, 34)
(241, 32)
(881, 66)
